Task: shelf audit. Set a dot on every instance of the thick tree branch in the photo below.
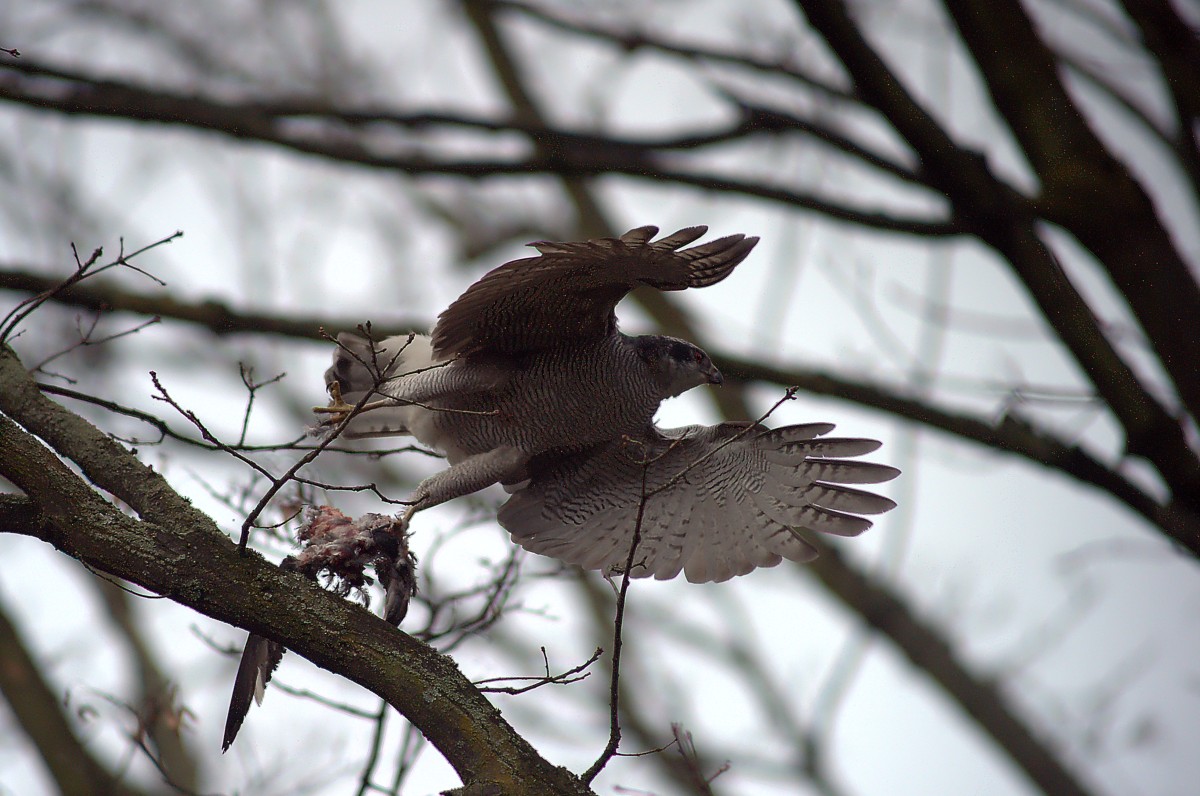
(179, 553)
(1085, 188)
(933, 654)
(1006, 221)
(1175, 46)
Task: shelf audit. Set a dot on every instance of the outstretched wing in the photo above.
(720, 500)
(569, 292)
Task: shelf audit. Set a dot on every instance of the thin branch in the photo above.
(614, 690)
(166, 432)
(692, 764)
(633, 40)
(84, 269)
(313, 696)
(750, 428)
(252, 388)
(86, 340)
(777, 120)
(289, 476)
(572, 155)
(210, 437)
(1011, 434)
(572, 675)
(496, 593)
(218, 317)
(9, 322)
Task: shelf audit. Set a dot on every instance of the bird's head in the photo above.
(677, 364)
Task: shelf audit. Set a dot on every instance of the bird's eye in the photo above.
(697, 357)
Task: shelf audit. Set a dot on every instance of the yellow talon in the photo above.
(337, 408)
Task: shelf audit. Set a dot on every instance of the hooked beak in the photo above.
(715, 377)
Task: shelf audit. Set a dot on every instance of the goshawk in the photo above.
(526, 381)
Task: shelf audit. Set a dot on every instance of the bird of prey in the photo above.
(526, 381)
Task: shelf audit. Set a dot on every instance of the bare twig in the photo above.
(215, 316)
(380, 720)
(86, 340)
(252, 388)
(496, 592)
(614, 708)
(166, 432)
(572, 155)
(83, 270)
(756, 426)
(165, 397)
(277, 483)
(687, 750)
(563, 678)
